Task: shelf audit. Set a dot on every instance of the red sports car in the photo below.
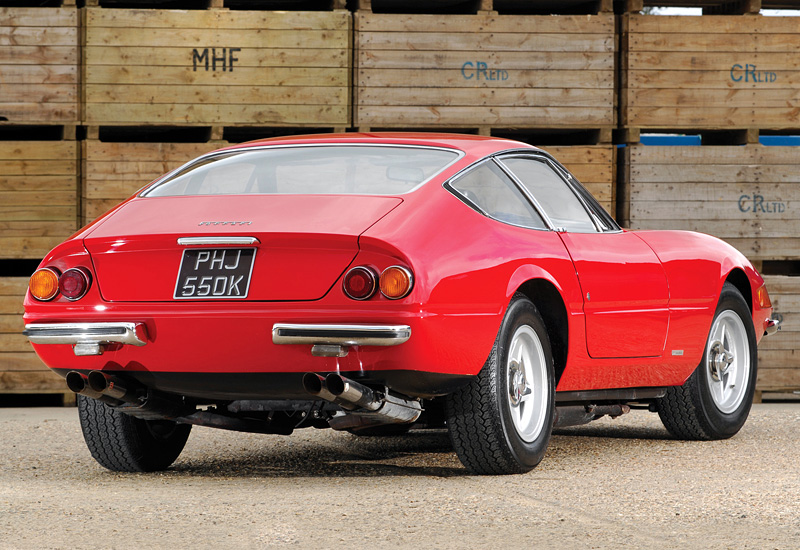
(371, 282)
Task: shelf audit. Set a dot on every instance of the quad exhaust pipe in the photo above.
(377, 407)
(133, 399)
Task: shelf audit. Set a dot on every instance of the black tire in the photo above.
(481, 416)
(384, 430)
(700, 410)
(123, 443)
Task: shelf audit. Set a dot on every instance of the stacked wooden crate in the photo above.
(217, 67)
(39, 168)
(710, 72)
(39, 65)
(730, 79)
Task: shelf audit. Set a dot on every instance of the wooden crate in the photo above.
(114, 171)
(595, 168)
(21, 371)
(779, 354)
(38, 196)
(39, 65)
(710, 72)
(748, 195)
(458, 71)
(217, 67)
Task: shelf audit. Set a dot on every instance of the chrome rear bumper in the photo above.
(341, 335)
(87, 338)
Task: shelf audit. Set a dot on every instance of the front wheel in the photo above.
(123, 443)
(715, 401)
(501, 422)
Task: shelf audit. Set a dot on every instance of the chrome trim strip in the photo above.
(217, 241)
(342, 335)
(771, 326)
(134, 334)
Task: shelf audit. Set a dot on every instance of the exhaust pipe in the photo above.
(386, 408)
(315, 385)
(578, 415)
(105, 384)
(78, 383)
(134, 400)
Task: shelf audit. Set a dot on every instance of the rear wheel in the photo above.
(123, 443)
(715, 401)
(501, 422)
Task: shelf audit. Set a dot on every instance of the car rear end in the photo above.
(237, 274)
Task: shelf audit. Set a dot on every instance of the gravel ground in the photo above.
(611, 484)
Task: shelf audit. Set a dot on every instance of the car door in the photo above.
(624, 286)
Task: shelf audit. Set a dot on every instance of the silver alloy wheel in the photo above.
(727, 361)
(527, 383)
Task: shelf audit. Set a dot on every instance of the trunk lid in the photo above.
(304, 244)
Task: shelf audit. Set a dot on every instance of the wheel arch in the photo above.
(739, 279)
(547, 299)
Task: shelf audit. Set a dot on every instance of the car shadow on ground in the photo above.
(418, 453)
(427, 453)
(619, 431)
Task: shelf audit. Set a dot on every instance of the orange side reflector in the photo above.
(763, 297)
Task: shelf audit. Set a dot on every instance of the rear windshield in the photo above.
(310, 170)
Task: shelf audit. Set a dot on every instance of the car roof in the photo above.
(474, 146)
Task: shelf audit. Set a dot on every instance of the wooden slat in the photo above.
(38, 17)
(190, 113)
(722, 25)
(487, 96)
(487, 42)
(246, 39)
(493, 116)
(16, 343)
(44, 381)
(177, 57)
(484, 70)
(12, 323)
(217, 19)
(235, 95)
(560, 25)
(28, 55)
(516, 60)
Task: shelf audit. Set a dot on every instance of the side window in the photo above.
(490, 190)
(552, 193)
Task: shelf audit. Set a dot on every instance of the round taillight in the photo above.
(396, 282)
(360, 283)
(44, 284)
(73, 283)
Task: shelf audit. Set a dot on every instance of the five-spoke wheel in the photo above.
(501, 422)
(715, 401)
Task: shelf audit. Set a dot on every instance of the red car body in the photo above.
(633, 308)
